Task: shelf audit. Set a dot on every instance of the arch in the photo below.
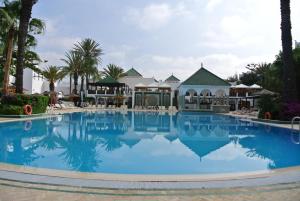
(205, 93)
(191, 92)
(190, 96)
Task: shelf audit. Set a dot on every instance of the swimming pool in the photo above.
(148, 143)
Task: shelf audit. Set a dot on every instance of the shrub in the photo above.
(89, 99)
(290, 110)
(270, 104)
(39, 103)
(11, 109)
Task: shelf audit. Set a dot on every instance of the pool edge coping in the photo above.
(241, 177)
(60, 179)
(144, 177)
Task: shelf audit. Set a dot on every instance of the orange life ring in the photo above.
(268, 115)
(27, 109)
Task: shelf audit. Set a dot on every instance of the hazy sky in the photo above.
(160, 37)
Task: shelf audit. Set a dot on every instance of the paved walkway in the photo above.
(16, 191)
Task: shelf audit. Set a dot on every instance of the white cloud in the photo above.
(211, 4)
(58, 42)
(119, 55)
(155, 16)
(234, 26)
(51, 26)
(52, 58)
(223, 65)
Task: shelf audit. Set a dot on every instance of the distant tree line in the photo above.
(269, 75)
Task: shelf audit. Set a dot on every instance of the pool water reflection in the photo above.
(147, 143)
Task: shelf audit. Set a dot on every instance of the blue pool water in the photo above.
(148, 143)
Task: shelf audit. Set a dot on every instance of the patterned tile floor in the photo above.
(16, 191)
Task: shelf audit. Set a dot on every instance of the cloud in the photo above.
(58, 42)
(51, 26)
(155, 16)
(212, 4)
(223, 65)
(119, 55)
(234, 26)
(52, 58)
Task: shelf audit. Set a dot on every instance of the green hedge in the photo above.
(269, 104)
(11, 110)
(39, 103)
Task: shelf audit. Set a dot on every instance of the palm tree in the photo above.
(53, 74)
(113, 71)
(74, 62)
(9, 18)
(25, 15)
(289, 74)
(90, 51)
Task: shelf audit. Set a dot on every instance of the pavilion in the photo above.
(204, 91)
(107, 91)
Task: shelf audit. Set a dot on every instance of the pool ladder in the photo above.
(293, 122)
(294, 132)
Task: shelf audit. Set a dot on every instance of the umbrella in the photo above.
(264, 92)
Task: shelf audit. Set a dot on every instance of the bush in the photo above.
(270, 104)
(11, 110)
(39, 103)
(89, 100)
(290, 110)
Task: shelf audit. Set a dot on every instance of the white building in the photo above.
(297, 44)
(33, 82)
(204, 91)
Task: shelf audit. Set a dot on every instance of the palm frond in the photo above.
(37, 26)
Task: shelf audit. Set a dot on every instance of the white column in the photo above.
(171, 96)
(133, 99)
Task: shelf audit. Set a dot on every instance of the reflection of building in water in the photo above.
(201, 134)
(151, 122)
(81, 137)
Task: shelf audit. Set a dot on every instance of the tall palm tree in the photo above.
(74, 62)
(9, 16)
(25, 15)
(53, 74)
(113, 71)
(289, 75)
(90, 51)
(9, 19)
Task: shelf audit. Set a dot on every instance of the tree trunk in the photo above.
(82, 82)
(289, 74)
(75, 82)
(51, 86)
(10, 41)
(86, 81)
(25, 15)
(70, 91)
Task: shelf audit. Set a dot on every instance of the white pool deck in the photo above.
(42, 176)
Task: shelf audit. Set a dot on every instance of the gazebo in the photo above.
(204, 91)
(243, 96)
(107, 90)
(152, 95)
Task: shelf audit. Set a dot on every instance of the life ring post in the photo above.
(27, 109)
(268, 115)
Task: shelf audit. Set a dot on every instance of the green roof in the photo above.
(133, 73)
(205, 77)
(172, 78)
(108, 80)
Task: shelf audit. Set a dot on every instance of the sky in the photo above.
(164, 37)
